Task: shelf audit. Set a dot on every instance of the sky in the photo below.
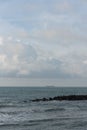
(43, 42)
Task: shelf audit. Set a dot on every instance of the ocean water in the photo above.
(17, 112)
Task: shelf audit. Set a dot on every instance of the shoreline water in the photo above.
(17, 112)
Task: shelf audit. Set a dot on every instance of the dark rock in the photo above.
(44, 99)
(25, 101)
(50, 99)
(60, 98)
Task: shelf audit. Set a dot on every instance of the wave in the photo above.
(8, 105)
(54, 109)
(18, 125)
(26, 123)
(11, 113)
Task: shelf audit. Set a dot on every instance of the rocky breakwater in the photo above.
(61, 98)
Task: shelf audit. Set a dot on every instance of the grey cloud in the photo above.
(15, 57)
(24, 60)
(28, 54)
(55, 71)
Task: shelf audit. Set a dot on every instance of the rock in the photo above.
(44, 99)
(61, 98)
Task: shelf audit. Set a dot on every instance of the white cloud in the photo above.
(18, 59)
(63, 6)
(1, 40)
(45, 44)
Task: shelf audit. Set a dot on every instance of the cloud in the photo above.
(15, 57)
(42, 42)
(20, 59)
(48, 68)
(60, 35)
(24, 60)
(1, 40)
(63, 6)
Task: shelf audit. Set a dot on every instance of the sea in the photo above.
(18, 112)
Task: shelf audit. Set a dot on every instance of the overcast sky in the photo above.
(43, 42)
